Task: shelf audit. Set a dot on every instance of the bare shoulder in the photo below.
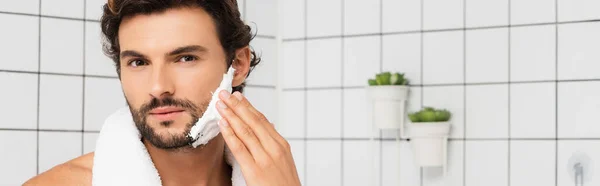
(76, 172)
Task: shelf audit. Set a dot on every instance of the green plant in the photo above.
(387, 78)
(430, 114)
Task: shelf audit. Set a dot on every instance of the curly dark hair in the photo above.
(232, 31)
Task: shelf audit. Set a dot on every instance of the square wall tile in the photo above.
(18, 160)
(486, 163)
(294, 19)
(262, 16)
(577, 10)
(324, 63)
(532, 163)
(361, 17)
(443, 14)
(89, 142)
(578, 51)
(21, 39)
(294, 62)
(298, 153)
(402, 53)
(58, 147)
(358, 121)
(265, 72)
(362, 59)
(19, 99)
(361, 165)
(324, 18)
(264, 100)
(22, 6)
(62, 46)
(454, 171)
(398, 165)
(533, 53)
(401, 15)
(486, 13)
(532, 11)
(103, 97)
(413, 105)
(66, 8)
(451, 98)
(293, 114)
(443, 58)
(532, 110)
(578, 109)
(487, 55)
(94, 9)
(96, 63)
(324, 113)
(323, 163)
(487, 111)
(576, 150)
(61, 102)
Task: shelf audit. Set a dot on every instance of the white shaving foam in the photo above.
(207, 128)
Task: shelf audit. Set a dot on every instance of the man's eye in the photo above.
(187, 58)
(136, 63)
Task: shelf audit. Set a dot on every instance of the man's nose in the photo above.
(162, 83)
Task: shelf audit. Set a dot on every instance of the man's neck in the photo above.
(200, 166)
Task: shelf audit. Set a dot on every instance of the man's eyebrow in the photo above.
(132, 53)
(186, 49)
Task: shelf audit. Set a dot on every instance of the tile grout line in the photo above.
(382, 139)
(421, 33)
(556, 92)
(342, 94)
(508, 170)
(38, 85)
(83, 82)
(441, 30)
(305, 92)
(380, 70)
(464, 92)
(45, 130)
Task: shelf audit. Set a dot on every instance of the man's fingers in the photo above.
(256, 120)
(237, 148)
(242, 131)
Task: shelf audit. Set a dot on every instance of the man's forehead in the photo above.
(172, 28)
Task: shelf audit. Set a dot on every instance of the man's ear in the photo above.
(241, 64)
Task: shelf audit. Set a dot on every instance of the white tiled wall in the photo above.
(58, 86)
(524, 98)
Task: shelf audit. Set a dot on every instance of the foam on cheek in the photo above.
(206, 128)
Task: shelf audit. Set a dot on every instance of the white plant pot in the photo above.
(429, 143)
(388, 105)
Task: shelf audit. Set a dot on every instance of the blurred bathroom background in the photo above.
(521, 78)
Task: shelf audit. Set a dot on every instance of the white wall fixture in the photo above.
(429, 131)
(388, 94)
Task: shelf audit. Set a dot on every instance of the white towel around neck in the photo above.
(121, 158)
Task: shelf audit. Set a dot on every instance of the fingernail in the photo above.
(223, 123)
(238, 95)
(221, 105)
(225, 94)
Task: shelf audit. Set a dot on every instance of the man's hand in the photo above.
(264, 155)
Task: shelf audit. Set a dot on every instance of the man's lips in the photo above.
(165, 110)
(165, 113)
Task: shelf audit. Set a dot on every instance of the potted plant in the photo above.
(429, 131)
(388, 93)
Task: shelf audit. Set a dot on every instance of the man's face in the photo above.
(170, 63)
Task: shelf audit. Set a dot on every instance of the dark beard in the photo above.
(173, 141)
